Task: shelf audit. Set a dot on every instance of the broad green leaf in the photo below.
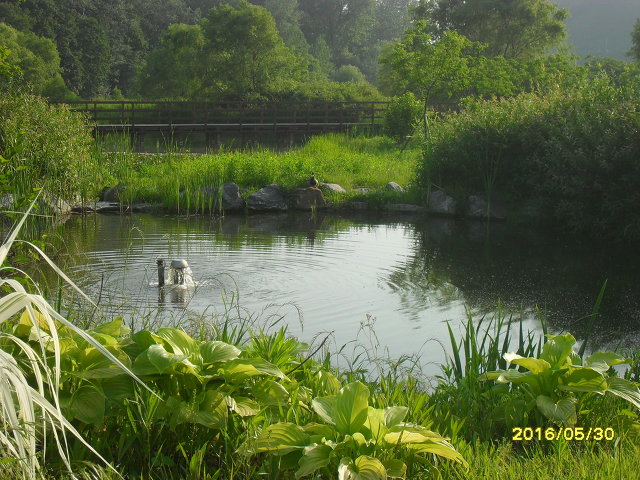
(583, 379)
(601, 361)
(564, 411)
(93, 364)
(534, 365)
(444, 449)
(625, 389)
(320, 430)
(268, 392)
(117, 388)
(511, 375)
(315, 456)
(394, 415)
(87, 405)
(145, 338)
(66, 346)
(375, 424)
(325, 407)
(404, 434)
(181, 343)
(351, 408)
(114, 328)
(239, 370)
(215, 351)
(279, 438)
(358, 438)
(156, 359)
(395, 468)
(557, 350)
(267, 368)
(104, 339)
(212, 410)
(364, 468)
(243, 406)
(328, 383)
(208, 408)
(27, 320)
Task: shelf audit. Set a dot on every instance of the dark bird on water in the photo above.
(313, 182)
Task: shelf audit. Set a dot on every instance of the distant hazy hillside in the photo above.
(601, 27)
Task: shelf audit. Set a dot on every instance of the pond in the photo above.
(391, 283)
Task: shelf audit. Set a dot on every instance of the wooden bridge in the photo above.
(180, 119)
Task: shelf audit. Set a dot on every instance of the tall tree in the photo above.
(429, 68)
(521, 29)
(287, 17)
(7, 70)
(635, 41)
(36, 58)
(246, 57)
(174, 69)
(392, 19)
(347, 27)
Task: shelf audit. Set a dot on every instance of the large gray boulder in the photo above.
(268, 198)
(231, 199)
(404, 208)
(478, 207)
(393, 186)
(332, 188)
(308, 198)
(113, 194)
(442, 204)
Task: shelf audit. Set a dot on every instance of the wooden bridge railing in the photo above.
(105, 114)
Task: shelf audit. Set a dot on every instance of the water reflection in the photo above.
(411, 276)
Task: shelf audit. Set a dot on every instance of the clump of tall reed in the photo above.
(43, 144)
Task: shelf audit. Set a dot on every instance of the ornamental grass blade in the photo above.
(6, 246)
(58, 271)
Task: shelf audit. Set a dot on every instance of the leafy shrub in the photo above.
(45, 145)
(574, 151)
(401, 116)
(348, 73)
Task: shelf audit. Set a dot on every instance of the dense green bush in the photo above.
(574, 152)
(401, 116)
(46, 146)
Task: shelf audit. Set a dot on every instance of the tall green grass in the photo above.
(184, 182)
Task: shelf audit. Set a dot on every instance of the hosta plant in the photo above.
(352, 439)
(199, 381)
(554, 383)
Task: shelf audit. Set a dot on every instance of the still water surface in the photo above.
(386, 281)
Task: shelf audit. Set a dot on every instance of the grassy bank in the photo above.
(175, 178)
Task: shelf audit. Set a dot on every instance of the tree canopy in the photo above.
(521, 29)
(34, 58)
(635, 41)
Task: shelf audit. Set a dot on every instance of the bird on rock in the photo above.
(313, 182)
